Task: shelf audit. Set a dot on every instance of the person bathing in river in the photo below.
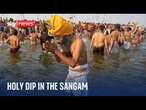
(33, 37)
(44, 39)
(13, 42)
(76, 58)
(121, 38)
(20, 36)
(115, 33)
(98, 41)
(108, 41)
(3, 35)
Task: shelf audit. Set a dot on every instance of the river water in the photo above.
(120, 74)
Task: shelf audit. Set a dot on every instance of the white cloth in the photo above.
(75, 76)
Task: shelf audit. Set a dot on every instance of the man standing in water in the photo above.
(44, 38)
(77, 61)
(98, 41)
(13, 41)
(33, 38)
(108, 40)
(3, 36)
(128, 37)
(114, 38)
(21, 37)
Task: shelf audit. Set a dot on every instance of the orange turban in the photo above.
(59, 27)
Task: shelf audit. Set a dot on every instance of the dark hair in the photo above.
(122, 30)
(101, 27)
(33, 30)
(14, 32)
(106, 33)
(45, 29)
(117, 26)
(128, 28)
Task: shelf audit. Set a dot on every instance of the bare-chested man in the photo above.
(3, 36)
(98, 41)
(134, 42)
(44, 38)
(77, 61)
(108, 41)
(121, 38)
(127, 37)
(33, 38)
(90, 30)
(21, 36)
(77, 49)
(114, 37)
(13, 41)
(127, 34)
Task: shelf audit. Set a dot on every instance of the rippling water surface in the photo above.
(122, 73)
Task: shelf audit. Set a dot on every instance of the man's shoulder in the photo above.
(10, 36)
(112, 32)
(13, 37)
(79, 41)
(95, 34)
(115, 32)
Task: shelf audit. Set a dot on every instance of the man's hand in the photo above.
(50, 47)
(57, 58)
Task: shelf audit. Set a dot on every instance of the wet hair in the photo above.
(20, 31)
(122, 30)
(129, 29)
(33, 31)
(106, 33)
(117, 26)
(101, 27)
(14, 32)
(27, 31)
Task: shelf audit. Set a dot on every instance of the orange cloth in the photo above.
(59, 27)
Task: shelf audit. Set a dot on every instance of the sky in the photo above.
(108, 18)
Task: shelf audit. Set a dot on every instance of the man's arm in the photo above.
(75, 55)
(43, 45)
(37, 37)
(57, 58)
(106, 46)
(29, 36)
(17, 42)
(8, 40)
(111, 45)
(123, 37)
(92, 40)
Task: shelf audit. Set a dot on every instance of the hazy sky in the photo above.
(113, 18)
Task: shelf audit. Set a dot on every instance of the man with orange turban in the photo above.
(76, 59)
